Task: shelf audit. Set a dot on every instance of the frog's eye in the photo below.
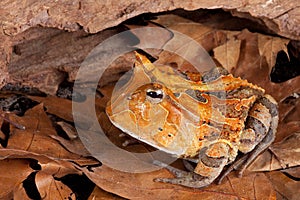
(155, 96)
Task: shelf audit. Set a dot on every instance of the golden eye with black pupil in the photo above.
(155, 96)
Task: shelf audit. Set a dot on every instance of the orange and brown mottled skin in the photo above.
(206, 117)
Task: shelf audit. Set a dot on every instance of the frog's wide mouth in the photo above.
(179, 152)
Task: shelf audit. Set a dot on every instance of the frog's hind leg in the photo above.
(268, 102)
(259, 133)
(209, 166)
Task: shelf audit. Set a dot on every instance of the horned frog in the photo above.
(203, 118)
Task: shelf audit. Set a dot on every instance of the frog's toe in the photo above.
(176, 172)
(176, 181)
(192, 180)
(184, 178)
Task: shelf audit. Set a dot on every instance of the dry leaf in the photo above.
(56, 106)
(208, 38)
(142, 186)
(58, 169)
(154, 46)
(253, 67)
(20, 193)
(12, 173)
(74, 146)
(99, 194)
(49, 188)
(37, 137)
(286, 187)
(69, 129)
(228, 53)
(269, 46)
(288, 150)
(293, 172)
(266, 161)
(46, 180)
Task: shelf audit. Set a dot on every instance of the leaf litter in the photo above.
(49, 148)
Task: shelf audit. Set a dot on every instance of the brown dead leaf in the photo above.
(267, 161)
(286, 129)
(74, 146)
(69, 129)
(46, 179)
(16, 154)
(292, 111)
(19, 193)
(205, 36)
(294, 172)
(12, 173)
(154, 46)
(99, 194)
(2, 135)
(37, 137)
(254, 67)
(49, 188)
(227, 54)
(56, 106)
(269, 46)
(255, 186)
(100, 103)
(58, 168)
(142, 186)
(285, 186)
(288, 150)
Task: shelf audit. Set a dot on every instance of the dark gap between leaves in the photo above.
(89, 167)
(22, 105)
(5, 128)
(31, 188)
(17, 103)
(34, 164)
(54, 119)
(291, 177)
(80, 185)
(286, 66)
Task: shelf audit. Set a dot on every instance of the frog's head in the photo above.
(150, 112)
